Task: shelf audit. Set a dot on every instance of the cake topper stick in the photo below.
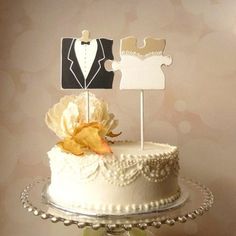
(142, 118)
(87, 106)
(86, 38)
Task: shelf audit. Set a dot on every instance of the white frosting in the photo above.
(128, 180)
(133, 148)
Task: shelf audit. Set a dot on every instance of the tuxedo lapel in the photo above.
(96, 66)
(74, 65)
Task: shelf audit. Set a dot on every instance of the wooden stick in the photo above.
(87, 105)
(142, 118)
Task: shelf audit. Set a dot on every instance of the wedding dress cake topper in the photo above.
(141, 69)
(83, 62)
(141, 66)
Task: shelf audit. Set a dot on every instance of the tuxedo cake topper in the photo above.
(82, 63)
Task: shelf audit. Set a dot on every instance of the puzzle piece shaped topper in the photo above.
(141, 66)
(82, 62)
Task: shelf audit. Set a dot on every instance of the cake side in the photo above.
(128, 180)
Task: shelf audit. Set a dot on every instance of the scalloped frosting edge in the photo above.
(111, 167)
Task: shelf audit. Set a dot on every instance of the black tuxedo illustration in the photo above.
(72, 76)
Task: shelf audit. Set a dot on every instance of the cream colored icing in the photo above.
(133, 148)
(129, 180)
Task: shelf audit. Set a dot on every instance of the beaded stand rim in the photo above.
(153, 222)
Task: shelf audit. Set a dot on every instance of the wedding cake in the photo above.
(93, 174)
(90, 172)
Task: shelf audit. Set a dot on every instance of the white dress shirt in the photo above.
(85, 54)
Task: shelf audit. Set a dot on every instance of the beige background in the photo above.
(196, 111)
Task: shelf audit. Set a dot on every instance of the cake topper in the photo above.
(141, 68)
(82, 63)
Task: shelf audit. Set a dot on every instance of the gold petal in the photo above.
(89, 135)
(112, 135)
(71, 146)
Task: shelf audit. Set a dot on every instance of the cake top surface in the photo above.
(133, 148)
(123, 150)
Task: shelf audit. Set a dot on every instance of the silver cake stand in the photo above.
(195, 199)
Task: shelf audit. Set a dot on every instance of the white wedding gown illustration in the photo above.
(141, 68)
